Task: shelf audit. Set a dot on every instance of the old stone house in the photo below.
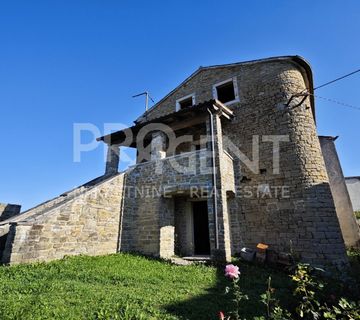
(228, 159)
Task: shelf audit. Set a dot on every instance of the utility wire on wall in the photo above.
(305, 92)
(337, 79)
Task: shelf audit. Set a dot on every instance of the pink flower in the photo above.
(232, 271)
(221, 315)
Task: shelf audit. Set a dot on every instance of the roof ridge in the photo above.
(226, 65)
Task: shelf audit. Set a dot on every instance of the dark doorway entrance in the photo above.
(2, 245)
(201, 228)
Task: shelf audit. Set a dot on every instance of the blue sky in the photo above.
(63, 62)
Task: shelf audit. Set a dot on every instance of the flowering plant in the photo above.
(232, 272)
(308, 307)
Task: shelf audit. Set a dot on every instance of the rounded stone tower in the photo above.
(288, 202)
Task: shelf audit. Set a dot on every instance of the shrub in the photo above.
(308, 289)
(357, 214)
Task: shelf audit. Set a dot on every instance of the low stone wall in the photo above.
(86, 224)
(53, 203)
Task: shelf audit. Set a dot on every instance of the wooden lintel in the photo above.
(189, 122)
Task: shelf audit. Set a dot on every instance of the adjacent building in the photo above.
(353, 186)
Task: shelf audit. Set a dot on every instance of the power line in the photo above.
(305, 92)
(337, 79)
(304, 95)
(338, 102)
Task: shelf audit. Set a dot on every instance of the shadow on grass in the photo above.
(253, 282)
(206, 306)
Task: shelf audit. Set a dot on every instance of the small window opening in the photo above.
(186, 103)
(226, 92)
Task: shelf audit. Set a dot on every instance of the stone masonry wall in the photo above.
(220, 243)
(87, 224)
(148, 214)
(53, 203)
(289, 207)
(228, 172)
(301, 215)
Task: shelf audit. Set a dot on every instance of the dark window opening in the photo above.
(186, 103)
(226, 92)
(183, 148)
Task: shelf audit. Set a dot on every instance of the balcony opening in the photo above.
(127, 158)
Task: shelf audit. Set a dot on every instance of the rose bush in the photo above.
(307, 289)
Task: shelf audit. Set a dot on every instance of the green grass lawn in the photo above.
(126, 286)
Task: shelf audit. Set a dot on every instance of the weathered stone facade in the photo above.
(255, 162)
(149, 204)
(305, 223)
(87, 223)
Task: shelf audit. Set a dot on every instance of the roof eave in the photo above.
(214, 105)
(297, 59)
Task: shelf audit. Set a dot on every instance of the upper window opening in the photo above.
(226, 91)
(185, 102)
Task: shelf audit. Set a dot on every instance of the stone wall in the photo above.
(344, 209)
(303, 219)
(290, 205)
(300, 215)
(229, 174)
(149, 204)
(218, 213)
(53, 203)
(86, 224)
